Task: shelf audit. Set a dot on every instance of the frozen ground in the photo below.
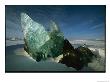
(18, 60)
(9, 42)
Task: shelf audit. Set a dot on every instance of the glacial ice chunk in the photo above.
(40, 43)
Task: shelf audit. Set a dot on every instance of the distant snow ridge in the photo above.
(94, 43)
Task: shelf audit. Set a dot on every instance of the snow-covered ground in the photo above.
(18, 60)
(10, 42)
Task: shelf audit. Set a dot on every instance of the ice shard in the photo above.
(39, 43)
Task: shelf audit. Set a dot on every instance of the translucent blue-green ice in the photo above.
(40, 43)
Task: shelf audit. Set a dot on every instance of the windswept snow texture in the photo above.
(18, 60)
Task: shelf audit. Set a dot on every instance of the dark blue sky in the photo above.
(76, 22)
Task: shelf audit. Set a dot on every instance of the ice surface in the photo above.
(34, 33)
(10, 42)
(40, 43)
(19, 60)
